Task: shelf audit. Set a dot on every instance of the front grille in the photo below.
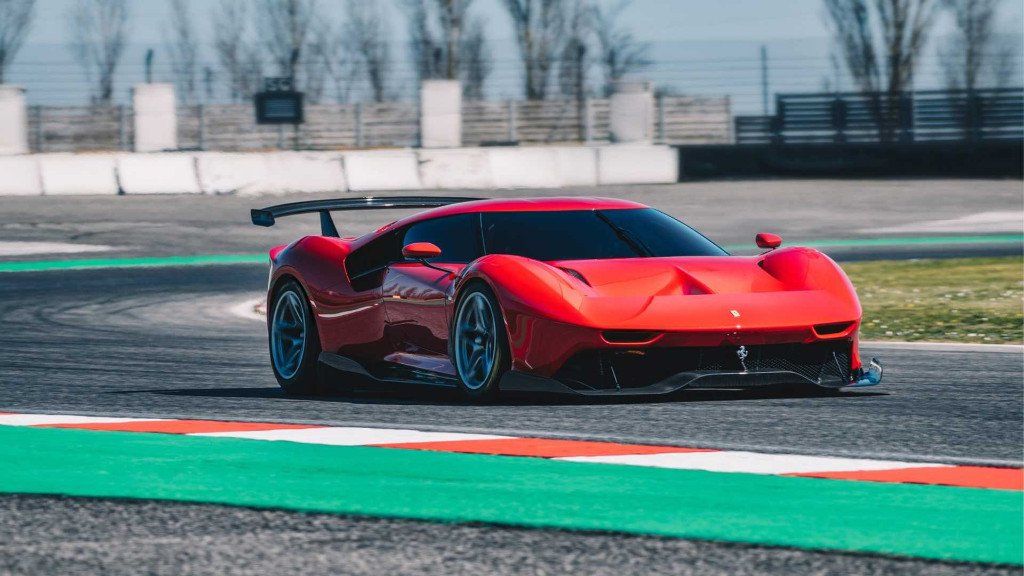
(824, 362)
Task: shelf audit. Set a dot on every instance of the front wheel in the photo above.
(294, 342)
(479, 344)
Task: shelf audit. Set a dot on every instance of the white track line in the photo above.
(750, 462)
(344, 436)
(31, 248)
(47, 419)
(249, 310)
(944, 346)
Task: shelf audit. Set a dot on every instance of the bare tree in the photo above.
(575, 57)
(330, 50)
(424, 45)
(446, 43)
(15, 22)
(539, 25)
(183, 47)
(881, 41)
(286, 25)
(971, 51)
(476, 60)
(1004, 67)
(316, 62)
(237, 54)
(621, 53)
(98, 32)
(366, 33)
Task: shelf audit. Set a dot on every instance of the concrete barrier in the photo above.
(19, 176)
(304, 172)
(157, 174)
(78, 174)
(226, 173)
(637, 164)
(382, 170)
(577, 165)
(455, 168)
(524, 167)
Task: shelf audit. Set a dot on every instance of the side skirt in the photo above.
(386, 372)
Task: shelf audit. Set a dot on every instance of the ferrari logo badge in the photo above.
(742, 355)
(735, 313)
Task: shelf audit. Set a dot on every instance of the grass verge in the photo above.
(956, 300)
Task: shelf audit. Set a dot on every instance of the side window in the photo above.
(365, 266)
(457, 236)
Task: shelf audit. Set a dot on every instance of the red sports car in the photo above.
(590, 296)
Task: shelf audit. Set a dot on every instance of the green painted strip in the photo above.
(148, 262)
(926, 521)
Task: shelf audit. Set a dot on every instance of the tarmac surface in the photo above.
(48, 535)
(164, 342)
(728, 212)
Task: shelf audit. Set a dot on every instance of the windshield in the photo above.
(592, 235)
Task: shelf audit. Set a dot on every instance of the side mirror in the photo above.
(768, 241)
(421, 251)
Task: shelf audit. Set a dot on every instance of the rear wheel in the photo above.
(479, 344)
(294, 343)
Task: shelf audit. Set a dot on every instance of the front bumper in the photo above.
(821, 366)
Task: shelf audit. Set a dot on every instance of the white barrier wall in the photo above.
(637, 164)
(382, 170)
(157, 174)
(241, 173)
(577, 165)
(337, 172)
(13, 121)
(455, 168)
(441, 114)
(19, 176)
(515, 167)
(304, 172)
(156, 121)
(78, 174)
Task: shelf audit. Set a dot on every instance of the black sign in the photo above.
(279, 103)
(279, 108)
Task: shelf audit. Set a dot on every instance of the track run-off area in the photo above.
(142, 426)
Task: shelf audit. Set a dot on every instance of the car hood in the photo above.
(728, 292)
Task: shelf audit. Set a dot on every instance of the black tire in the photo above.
(481, 385)
(303, 376)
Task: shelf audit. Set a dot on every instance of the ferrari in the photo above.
(586, 296)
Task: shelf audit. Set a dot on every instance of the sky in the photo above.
(698, 47)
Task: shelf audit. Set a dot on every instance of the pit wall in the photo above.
(260, 173)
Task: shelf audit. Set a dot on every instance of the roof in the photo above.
(552, 204)
(521, 205)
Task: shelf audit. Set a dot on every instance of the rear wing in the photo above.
(267, 216)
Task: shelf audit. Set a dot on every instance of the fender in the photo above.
(526, 286)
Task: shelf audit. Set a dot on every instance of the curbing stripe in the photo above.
(345, 436)
(640, 455)
(539, 447)
(964, 476)
(183, 426)
(51, 419)
(750, 462)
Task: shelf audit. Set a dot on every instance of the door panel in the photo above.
(415, 300)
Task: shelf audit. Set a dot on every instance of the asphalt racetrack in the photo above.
(166, 342)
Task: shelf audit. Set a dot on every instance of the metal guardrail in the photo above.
(923, 116)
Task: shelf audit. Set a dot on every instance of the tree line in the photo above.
(567, 48)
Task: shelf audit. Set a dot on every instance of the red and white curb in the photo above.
(674, 457)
